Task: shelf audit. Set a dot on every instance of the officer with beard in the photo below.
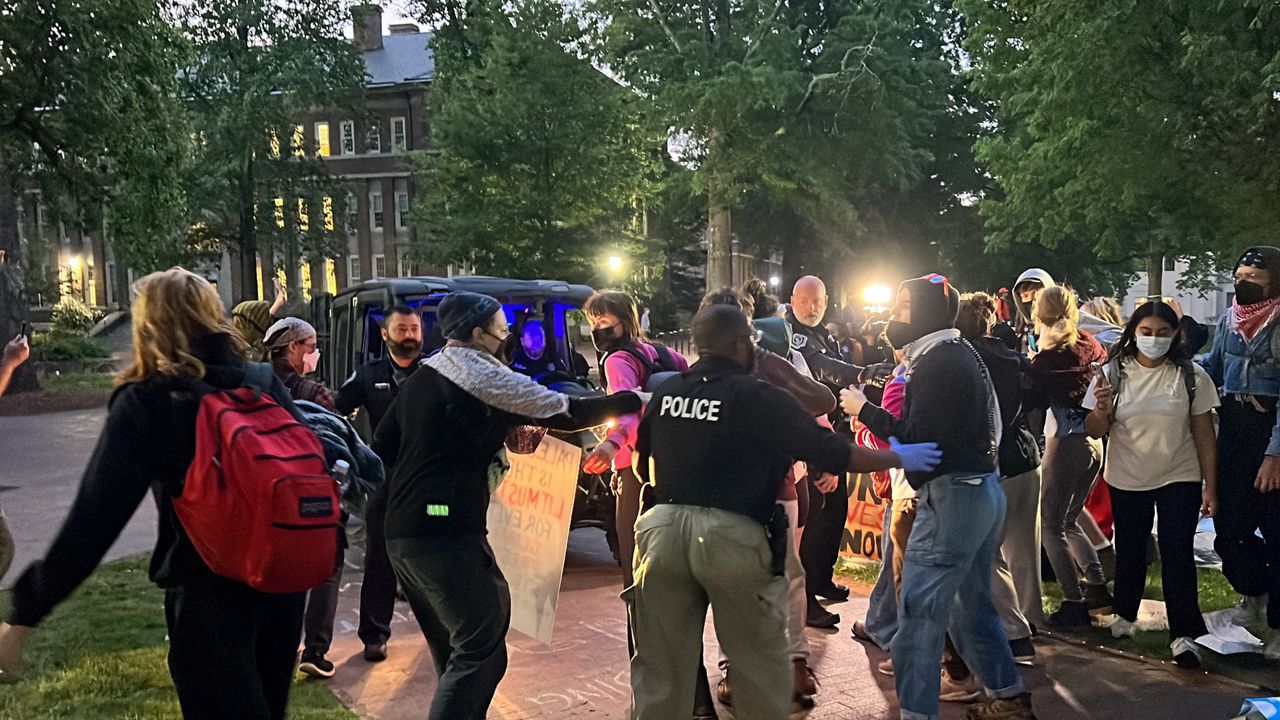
(373, 387)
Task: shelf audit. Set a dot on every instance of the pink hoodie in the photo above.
(623, 372)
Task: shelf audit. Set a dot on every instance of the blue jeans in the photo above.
(946, 584)
(882, 612)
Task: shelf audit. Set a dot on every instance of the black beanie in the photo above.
(1263, 257)
(461, 312)
(934, 304)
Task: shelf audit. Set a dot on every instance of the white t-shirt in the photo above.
(1150, 444)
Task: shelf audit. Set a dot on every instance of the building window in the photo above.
(399, 137)
(353, 269)
(322, 139)
(379, 266)
(110, 282)
(375, 209)
(275, 144)
(304, 220)
(1170, 264)
(327, 203)
(402, 210)
(280, 212)
(348, 137)
(349, 213)
(373, 138)
(299, 141)
(406, 265)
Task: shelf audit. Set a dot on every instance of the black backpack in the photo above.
(655, 373)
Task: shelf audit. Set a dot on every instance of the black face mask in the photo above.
(1250, 293)
(405, 350)
(604, 339)
(900, 334)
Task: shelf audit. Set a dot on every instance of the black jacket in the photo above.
(373, 387)
(946, 403)
(822, 353)
(437, 442)
(147, 443)
(720, 438)
(1014, 382)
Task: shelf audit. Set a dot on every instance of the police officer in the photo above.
(824, 525)
(373, 387)
(715, 443)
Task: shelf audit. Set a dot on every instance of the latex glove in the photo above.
(600, 459)
(827, 483)
(12, 638)
(852, 399)
(917, 457)
(16, 352)
(1269, 475)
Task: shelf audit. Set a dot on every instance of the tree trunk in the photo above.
(13, 294)
(1155, 271)
(248, 234)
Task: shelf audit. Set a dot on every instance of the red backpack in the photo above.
(258, 502)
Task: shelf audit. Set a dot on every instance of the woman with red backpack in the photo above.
(231, 647)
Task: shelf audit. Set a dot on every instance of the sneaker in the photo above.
(723, 693)
(804, 682)
(886, 667)
(1251, 610)
(1018, 708)
(1024, 653)
(820, 617)
(316, 666)
(375, 652)
(959, 691)
(1185, 653)
(1271, 649)
(834, 592)
(1071, 614)
(1097, 597)
(1122, 628)
(801, 706)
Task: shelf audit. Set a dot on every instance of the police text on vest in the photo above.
(690, 408)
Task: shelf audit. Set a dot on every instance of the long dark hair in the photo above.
(1127, 345)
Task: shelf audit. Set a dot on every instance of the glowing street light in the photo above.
(615, 264)
(74, 260)
(877, 295)
(775, 281)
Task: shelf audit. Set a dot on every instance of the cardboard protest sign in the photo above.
(529, 517)
(864, 526)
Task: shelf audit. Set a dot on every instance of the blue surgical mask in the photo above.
(1154, 347)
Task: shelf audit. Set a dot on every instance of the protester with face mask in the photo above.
(372, 388)
(715, 443)
(1156, 406)
(946, 574)
(440, 438)
(1245, 363)
(290, 347)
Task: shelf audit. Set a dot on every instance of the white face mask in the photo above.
(1154, 347)
(311, 361)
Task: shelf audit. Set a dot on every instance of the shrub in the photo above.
(71, 315)
(60, 345)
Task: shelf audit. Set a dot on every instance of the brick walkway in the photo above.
(583, 674)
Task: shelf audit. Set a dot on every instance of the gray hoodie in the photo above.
(1105, 332)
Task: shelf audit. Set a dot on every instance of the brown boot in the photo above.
(804, 683)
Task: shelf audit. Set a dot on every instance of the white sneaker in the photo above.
(1251, 610)
(1271, 650)
(1122, 628)
(1186, 654)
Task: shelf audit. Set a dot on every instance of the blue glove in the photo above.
(917, 457)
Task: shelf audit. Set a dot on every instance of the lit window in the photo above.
(348, 137)
(304, 221)
(330, 276)
(275, 144)
(399, 138)
(375, 210)
(373, 138)
(379, 265)
(322, 138)
(306, 280)
(328, 213)
(299, 147)
(402, 210)
(279, 212)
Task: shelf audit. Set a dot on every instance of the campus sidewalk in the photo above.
(583, 674)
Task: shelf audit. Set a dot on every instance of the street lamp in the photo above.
(775, 281)
(615, 264)
(877, 295)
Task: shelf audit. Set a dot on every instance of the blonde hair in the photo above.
(1105, 308)
(172, 309)
(1057, 318)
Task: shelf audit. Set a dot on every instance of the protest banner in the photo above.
(864, 526)
(529, 515)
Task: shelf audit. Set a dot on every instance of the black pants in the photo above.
(378, 589)
(463, 605)
(322, 608)
(823, 531)
(232, 650)
(1177, 509)
(1251, 564)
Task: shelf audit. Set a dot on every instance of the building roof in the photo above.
(404, 58)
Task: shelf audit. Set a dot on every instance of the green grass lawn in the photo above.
(76, 382)
(102, 655)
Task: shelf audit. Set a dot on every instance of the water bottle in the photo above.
(341, 472)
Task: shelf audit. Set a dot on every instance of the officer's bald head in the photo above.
(723, 331)
(809, 300)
